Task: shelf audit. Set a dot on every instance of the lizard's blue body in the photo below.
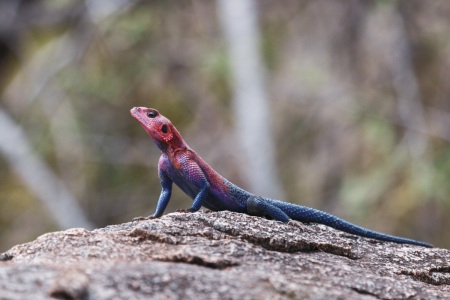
(179, 164)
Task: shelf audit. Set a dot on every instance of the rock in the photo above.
(220, 255)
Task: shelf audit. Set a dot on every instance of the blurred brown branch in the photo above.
(38, 177)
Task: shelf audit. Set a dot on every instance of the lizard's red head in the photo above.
(158, 127)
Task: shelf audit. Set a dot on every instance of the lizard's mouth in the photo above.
(139, 113)
(136, 112)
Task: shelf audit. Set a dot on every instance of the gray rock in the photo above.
(220, 255)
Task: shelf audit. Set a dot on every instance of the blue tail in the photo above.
(307, 214)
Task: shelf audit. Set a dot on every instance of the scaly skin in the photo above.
(179, 164)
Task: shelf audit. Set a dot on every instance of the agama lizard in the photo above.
(180, 164)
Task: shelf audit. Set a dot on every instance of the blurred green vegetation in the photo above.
(341, 142)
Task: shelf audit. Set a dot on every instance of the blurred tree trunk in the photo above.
(251, 105)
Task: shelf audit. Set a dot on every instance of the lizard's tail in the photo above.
(307, 214)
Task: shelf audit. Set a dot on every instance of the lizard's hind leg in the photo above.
(257, 206)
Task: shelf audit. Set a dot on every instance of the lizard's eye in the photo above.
(152, 114)
(164, 128)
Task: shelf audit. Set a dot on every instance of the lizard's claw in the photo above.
(298, 224)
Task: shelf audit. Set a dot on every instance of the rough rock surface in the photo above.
(220, 255)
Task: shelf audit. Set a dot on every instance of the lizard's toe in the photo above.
(298, 224)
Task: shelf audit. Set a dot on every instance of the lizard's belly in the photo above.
(216, 199)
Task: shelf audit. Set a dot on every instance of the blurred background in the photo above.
(338, 105)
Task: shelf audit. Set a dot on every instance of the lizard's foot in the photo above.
(298, 224)
(137, 219)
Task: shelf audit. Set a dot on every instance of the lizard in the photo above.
(181, 165)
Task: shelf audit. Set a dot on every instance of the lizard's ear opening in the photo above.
(164, 128)
(152, 114)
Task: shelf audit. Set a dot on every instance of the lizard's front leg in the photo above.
(164, 197)
(166, 186)
(199, 199)
(193, 174)
(166, 192)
